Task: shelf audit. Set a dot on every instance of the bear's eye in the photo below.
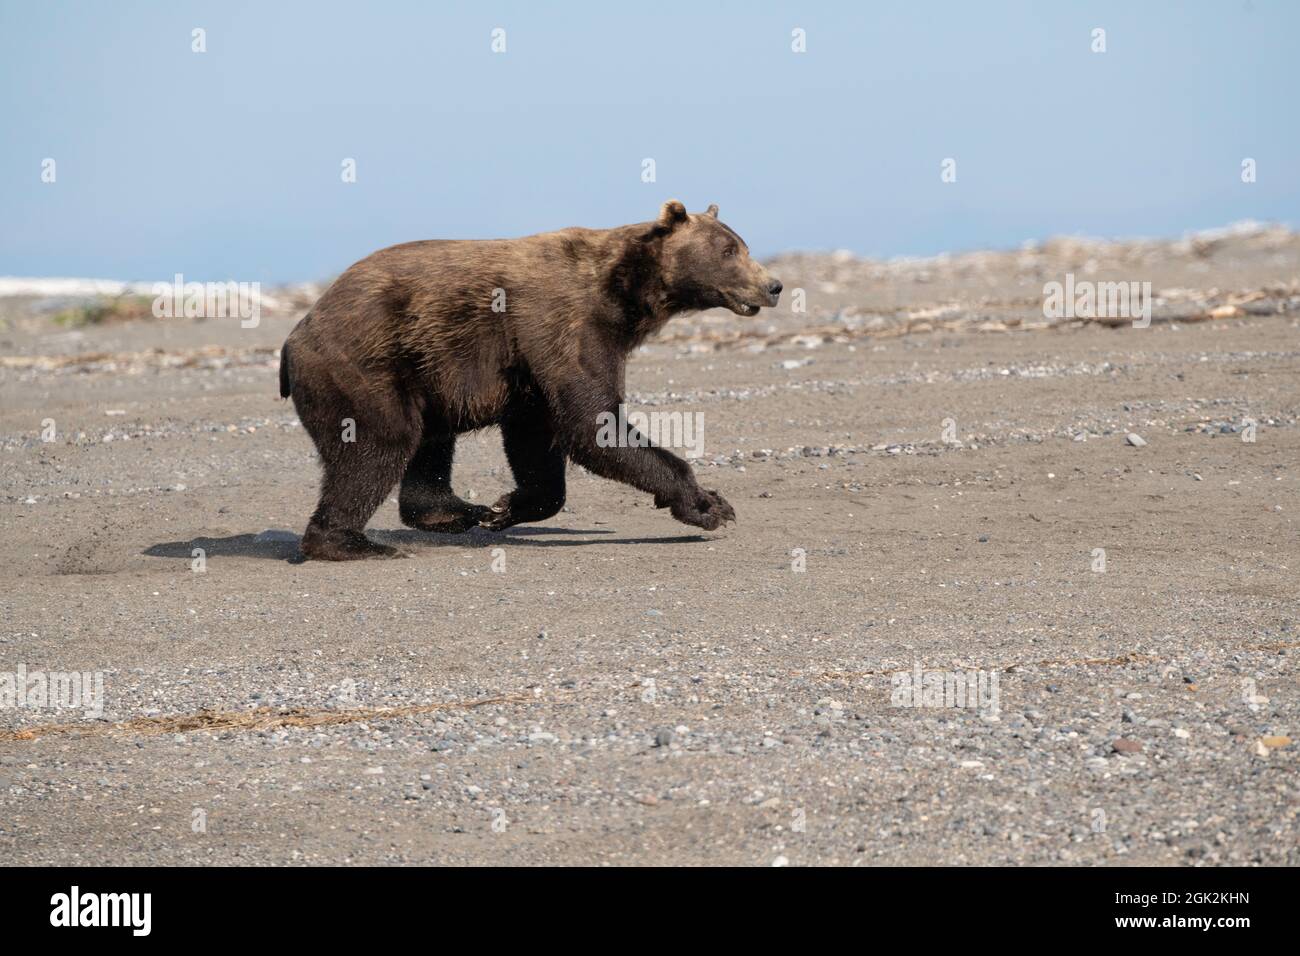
(729, 251)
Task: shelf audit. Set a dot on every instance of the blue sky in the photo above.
(226, 164)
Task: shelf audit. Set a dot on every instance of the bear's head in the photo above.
(705, 265)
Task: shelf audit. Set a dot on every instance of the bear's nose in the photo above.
(774, 288)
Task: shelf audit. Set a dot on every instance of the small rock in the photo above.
(1137, 441)
(1126, 746)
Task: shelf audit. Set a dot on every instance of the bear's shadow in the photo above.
(283, 545)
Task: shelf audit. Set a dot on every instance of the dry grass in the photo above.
(150, 358)
(115, 308)
(268, 718)
(261, 718)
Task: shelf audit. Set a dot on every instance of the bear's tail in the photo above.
(285, 385)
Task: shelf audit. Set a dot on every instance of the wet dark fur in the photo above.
(407, 346)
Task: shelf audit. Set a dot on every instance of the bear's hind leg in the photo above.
(426, 500)
(537, 463)
(352, 488)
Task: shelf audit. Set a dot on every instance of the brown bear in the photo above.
(422, 341)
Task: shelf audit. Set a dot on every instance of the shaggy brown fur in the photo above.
(425, 340)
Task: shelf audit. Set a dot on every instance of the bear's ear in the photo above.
(672, 213)
(712, 211)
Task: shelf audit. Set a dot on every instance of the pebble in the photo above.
(1134, 439)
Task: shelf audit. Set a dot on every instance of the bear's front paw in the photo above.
(703, 508)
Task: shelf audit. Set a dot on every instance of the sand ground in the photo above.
(610, 687)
